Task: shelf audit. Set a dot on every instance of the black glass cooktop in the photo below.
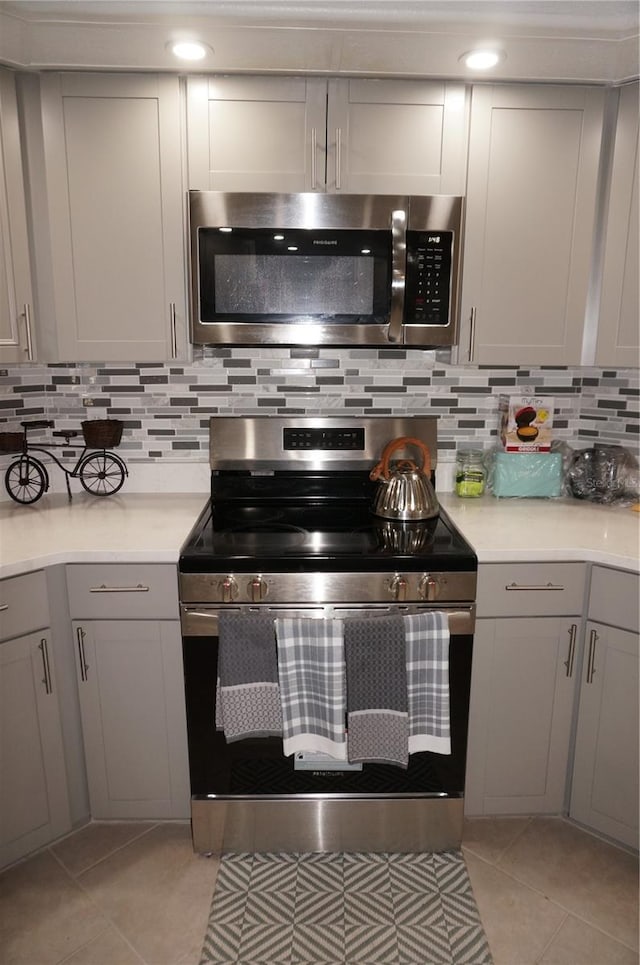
(280, 531)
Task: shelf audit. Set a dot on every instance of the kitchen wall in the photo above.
(165, 407)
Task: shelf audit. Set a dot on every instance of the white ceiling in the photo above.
(560, 40)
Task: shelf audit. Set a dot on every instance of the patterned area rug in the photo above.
(344, 909)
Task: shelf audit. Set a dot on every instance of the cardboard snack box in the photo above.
(526, 423)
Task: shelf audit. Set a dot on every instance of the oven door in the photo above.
(246, 795)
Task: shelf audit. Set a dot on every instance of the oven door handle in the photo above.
(398, 260)
(201, 621)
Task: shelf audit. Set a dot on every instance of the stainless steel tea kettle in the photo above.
(405, 491)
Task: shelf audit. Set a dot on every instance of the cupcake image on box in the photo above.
(526, 423)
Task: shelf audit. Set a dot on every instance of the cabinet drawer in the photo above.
(123, 592)
(614, 598)
(23, 604)
(530, 589)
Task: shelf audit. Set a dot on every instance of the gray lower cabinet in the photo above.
(525, 667)
(34, 804)
(605, 777)
(130, 680)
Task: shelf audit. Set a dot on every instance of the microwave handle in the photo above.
(398, 260)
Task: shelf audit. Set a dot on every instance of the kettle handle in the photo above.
(381, 470)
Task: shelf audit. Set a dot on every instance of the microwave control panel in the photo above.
(428, 278)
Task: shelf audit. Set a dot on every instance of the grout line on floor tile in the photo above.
(553, 937)
(570, 911)
(110, 927)
(115, 850)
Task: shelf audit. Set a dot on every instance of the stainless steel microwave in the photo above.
(324, 269)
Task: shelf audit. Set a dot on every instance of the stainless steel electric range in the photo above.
(289, 531)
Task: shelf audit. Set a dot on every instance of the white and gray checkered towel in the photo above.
(427, 639)
(311, 673)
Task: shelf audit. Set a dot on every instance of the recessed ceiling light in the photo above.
(481, 59)
(189, 49)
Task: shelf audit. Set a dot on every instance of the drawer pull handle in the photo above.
(84, 666)
(46, 680)
(591, 660)
(573, 630)
(3, 607)
(534, 586)
(119, 589)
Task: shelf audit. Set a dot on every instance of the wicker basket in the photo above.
(10, 441)
(102, 433)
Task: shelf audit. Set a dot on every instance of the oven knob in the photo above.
(429, 587)
(229, 589)
(398, 588)
(258, 589)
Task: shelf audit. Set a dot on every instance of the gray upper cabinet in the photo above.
(359, 136)
(531, 204)
(16, 301)
(618, 329)
(114, 207)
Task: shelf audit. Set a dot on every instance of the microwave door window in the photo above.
(248, 276)
(317, 285)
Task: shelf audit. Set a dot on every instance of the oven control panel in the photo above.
(328, 588)
(322, 439)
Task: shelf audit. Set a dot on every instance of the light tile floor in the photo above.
(135, 894)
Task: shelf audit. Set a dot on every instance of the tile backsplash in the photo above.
(165, 407)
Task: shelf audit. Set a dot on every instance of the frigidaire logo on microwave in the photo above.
(325, 241)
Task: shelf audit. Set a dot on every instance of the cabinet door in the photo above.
(396, 136)
(133, 718)
(520, 716)
(113, 168)
(34, 806)
(256, 133)
(604, 794)
(16, 337)
(531, 199)
(619, 305)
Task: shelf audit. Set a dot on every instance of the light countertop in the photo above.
(125, 528)
(138, 527)
(547, 530)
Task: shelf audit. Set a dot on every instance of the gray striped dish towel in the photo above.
(247, 698)
(312, 685)
(427, 638)
(377, 718)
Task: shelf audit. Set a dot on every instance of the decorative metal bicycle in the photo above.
(101, 472)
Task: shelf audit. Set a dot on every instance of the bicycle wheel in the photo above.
(101, 474)
(26, 480)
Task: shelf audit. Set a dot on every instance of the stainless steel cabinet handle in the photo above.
(26, 313)
(534, 586)
(103, 588)
(314, 148)
(84, 666)
(591, 659)
(3, 606)
(573, 630)
(338, 158)
(174, 333)
(472, 333)
(398, 249)
(46, 680)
